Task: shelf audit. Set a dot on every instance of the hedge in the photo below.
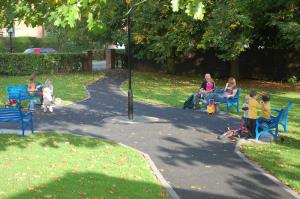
(25, 64)
(20, 44)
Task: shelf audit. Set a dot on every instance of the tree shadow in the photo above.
(98, 185)
(208, 153)
(92, 185)
(49, 139)
(200, 147)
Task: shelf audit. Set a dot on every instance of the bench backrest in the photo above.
(10, 114)
(236, 97)
(284, 116)
(279, 117)
(19, 93)
(16, 89)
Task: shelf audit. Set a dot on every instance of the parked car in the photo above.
(39, 50)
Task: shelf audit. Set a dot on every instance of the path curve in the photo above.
(182, 144)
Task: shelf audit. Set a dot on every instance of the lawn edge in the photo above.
(87, 91)
(168, 188)
(256, 166)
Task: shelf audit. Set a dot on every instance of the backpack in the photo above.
(189, 103)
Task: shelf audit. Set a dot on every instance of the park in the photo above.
(150, 99)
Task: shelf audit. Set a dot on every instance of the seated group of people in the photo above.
(253, 101)
(207, 91)
(45, 93)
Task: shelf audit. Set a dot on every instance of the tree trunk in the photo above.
(234, 69)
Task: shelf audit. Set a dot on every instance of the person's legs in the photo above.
(196, 100)
(252, 127)
(219, 98)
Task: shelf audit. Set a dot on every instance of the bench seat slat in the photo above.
(16, 115)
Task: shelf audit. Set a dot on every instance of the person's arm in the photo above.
(226, 86)
(203, 87)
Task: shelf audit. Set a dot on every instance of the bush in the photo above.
(25, 64)
(292, 80)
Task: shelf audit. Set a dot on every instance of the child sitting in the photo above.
(48, 101)
(266, 109)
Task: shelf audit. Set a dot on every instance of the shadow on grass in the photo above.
(95, 185)
(49, 140)
(92, 185)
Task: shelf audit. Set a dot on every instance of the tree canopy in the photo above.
(169, 30)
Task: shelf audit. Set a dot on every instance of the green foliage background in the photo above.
(26, 64)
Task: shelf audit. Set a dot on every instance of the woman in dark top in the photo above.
(230, 90)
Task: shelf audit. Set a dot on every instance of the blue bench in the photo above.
(232, 101)
(284, 119)
(17, 116)
(272, 126)
(19, 93)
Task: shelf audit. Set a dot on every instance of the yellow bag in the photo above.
(211, 109)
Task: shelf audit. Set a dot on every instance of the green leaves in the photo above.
(66, 15)
(194, 8)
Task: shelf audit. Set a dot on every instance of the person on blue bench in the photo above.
(206, 88)
(34, 89)
(265, 115)
(230, 90)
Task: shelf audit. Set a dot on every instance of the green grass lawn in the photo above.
(281, 158)
(61, 165)
(68, 87)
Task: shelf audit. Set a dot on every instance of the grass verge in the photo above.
(69, 87)
(53, 165)
(281, 158)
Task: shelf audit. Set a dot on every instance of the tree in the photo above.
(233, 26)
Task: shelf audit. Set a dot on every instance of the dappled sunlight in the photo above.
(280, 158)
(64, 165)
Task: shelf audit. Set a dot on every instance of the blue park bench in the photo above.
(17, 116)
(272, 126)
(284, 119)
(20, 93)
(232, 101)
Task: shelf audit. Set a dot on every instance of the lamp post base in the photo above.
(130, 105)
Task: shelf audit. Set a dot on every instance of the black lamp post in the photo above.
(130, 94)
(10, 32)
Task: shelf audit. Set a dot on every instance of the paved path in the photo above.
(99, 65)
(182, 143)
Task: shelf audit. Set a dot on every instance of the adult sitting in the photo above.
(34, 90)
(229, 91)
(207, 87)
(32, 85)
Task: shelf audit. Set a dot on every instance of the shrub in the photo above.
(292, 80)
(25, 64)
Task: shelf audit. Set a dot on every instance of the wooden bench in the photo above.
(17, 116)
